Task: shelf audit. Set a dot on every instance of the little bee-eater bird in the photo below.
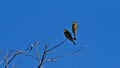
(68, 36)
(74, 28)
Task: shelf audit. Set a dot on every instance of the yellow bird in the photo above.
(68, 36)
(74, 28)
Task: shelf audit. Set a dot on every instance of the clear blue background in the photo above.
(22, 21)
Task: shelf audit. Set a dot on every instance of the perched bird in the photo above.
(68, 36)
(74, 28)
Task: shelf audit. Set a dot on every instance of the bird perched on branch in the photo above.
(68, 36)
(74, 28)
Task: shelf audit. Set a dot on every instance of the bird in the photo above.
(68, 36)
(74, 28)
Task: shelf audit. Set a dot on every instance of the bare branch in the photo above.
(50, 60)
(12, 54)
(1, 51)
(6, 61)
(43, 56)
(1, 61)
(15, 54)
(37, 53)
(68, 54)
(54, 47)
(32, 56)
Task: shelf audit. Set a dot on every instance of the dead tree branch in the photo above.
(67, 54)
(54, 47)
(47, 50)
(43, 56)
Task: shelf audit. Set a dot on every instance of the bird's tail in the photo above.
(74, 43)
(74, 36)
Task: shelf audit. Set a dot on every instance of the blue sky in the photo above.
(22, 21)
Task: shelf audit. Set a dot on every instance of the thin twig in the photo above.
(56, 46)
(37, 54)
(32, 56)
(43, 57)
(6, 61)
(15, 54)
(64, 55)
